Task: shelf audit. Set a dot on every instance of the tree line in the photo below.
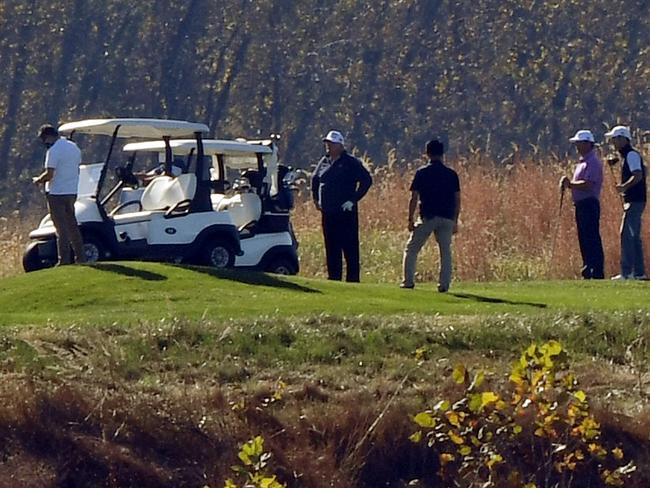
(514, 76)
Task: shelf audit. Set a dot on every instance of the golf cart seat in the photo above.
(165, 192)
(244, 208)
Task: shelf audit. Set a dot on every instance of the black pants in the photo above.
(591, 246)
(341, 234)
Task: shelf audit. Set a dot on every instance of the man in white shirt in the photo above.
(61, 180)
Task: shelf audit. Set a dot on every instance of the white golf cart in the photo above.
(258, 201)
(174, 219)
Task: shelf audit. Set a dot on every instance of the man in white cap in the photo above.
(633, 189)
(585, 186)
(338, 183)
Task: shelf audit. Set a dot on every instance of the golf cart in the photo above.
(173, 220)
(258, 200)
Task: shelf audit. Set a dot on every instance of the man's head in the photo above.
(48, 134)
(435, 149)
(620, 136)
(334, 143)
(584, 141)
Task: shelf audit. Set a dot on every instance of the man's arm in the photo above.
(633, 180)
(580, 185)
(634, 163)
(413, 205)
(315, 183)
(457, 210)
(365, 182)
(44, 177)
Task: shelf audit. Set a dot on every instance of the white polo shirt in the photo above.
(64, 157)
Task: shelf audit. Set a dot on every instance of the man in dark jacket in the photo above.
(338, 183)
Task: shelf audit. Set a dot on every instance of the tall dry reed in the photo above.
(510, 214)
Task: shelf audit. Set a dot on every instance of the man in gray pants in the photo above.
(633, 190)
(437, 189)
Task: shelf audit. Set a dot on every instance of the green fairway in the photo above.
(131, 292)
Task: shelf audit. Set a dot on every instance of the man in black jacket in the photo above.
(338, 183)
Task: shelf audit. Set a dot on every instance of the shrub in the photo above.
(538, 432)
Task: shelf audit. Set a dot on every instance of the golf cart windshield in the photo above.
(89, 175)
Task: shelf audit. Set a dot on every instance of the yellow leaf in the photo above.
(516, 378)
(494, 459)
(488, 397)
(441, 406)
(580, 395)
(465, 450)
(424, 419)
(453, 419)
(517, 429)
(416, 437)
(459, 374)
(455, 438)
(552, 348)
(531, 350)
(475, 402)
(445, 458)
(617, 453)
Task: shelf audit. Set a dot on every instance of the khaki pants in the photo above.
(67, 231)
(443, 229)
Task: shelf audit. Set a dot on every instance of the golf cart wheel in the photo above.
(32, 260)
(94, 249)
(218, 254)
(281, 266)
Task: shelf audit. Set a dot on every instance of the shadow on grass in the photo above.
(127, 271)
(249, 278)
(482, 299)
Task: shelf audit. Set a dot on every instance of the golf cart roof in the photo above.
(211, 147)
(144, 128)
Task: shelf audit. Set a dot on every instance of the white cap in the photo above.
(619, 130)
(334, 136)
(583, 135)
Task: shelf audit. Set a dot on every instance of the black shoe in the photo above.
(406, 287)
(442, 289)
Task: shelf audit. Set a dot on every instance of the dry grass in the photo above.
(509, 217)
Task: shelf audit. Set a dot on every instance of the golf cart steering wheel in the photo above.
(126, 176)
(181, 208)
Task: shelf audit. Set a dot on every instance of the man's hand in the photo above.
(564, 183)
(621, 188)
(36, 180)
(347, 206)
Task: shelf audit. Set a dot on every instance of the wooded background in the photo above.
(495, 77)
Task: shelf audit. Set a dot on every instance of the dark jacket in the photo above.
(636, 193)
(334, 184)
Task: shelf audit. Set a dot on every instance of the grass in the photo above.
(130, 292)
